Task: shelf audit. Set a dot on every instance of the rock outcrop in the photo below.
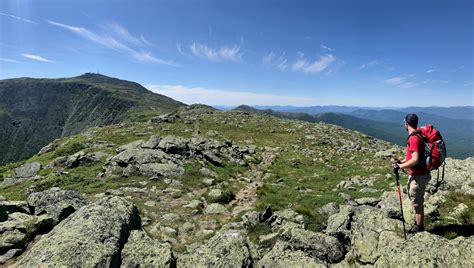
(92, 236)
(57, 203)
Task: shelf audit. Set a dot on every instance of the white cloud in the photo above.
(369, 64)
(408, 85)
(317, 66)
(9, 60)
(279, 62)
(36, 57)
(431, 70)
(215, 54)
(192, 95)
(117, 38)
(18, 18)
(327, 48)
(394, 81)
(427, 81)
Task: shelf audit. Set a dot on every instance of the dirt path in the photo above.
(247, 197)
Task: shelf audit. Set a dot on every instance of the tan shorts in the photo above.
(416, 189)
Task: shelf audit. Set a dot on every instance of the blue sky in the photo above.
(369, 53)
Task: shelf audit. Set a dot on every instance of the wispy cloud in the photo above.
(17, 18)
(192, 95)
(117, 38)
(279, 62)
(215, 54)
(394, 81)
(312, 67)
(369, 64)
(428, 81)
(9, 60)
(327, 48)
(408, 85)
(401, 81)
(431, 70)
(36, 57)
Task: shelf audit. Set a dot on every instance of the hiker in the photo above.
(418, 174)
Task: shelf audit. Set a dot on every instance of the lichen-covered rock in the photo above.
(366, 228)
(216, 208)
(12, 239)
(316, 245)
(23, 173)
(152, 143)
(228, 248)
(144, 251)
(27, 170)
(427, 250)
(57, 203)
(174, 145)
(92, 236)
(284, 255)
(7, 207)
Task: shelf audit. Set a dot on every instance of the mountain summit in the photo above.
(33, 112)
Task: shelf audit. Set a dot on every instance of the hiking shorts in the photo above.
(416, 190)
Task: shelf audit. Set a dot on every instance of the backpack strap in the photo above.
(416, 133)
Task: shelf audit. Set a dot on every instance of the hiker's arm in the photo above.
(412, 162)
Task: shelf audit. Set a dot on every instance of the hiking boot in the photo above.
(416, 229)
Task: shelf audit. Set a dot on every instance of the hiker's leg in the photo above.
(419, 197)
(419, 216)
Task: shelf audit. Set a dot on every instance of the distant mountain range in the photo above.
(387, 124)
(456, 112)
(33, 112)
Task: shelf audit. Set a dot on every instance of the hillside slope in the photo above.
(33, 112)
(207, 188)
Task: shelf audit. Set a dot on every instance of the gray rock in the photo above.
(81, 158)
(152, 143)
(316, 245)
(385, 154)
(282, 255)
(56, 203)
(12, 239)
(174, 145)
(8, 207)
(170, 217)
(369, 201)
(194, 204)
(48, 148)
(329, 209)
(130, 146)
(229, 248)
(207, 172)
(143, 251)
(187, 227)
(166, 118)
(216, 208)
(268, 239)
(10, 254)
(92, 236)
(208, 181)
(212, 158)
(289, 215)
(27, 170)
(161, 169)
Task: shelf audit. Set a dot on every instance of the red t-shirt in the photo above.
(415, 144)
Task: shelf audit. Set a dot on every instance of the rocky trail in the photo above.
(246, 198)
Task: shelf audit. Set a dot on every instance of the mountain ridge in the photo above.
(36, 111)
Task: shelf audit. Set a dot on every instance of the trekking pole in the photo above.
(395, 170)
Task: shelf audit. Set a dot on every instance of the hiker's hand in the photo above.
(395, 165)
